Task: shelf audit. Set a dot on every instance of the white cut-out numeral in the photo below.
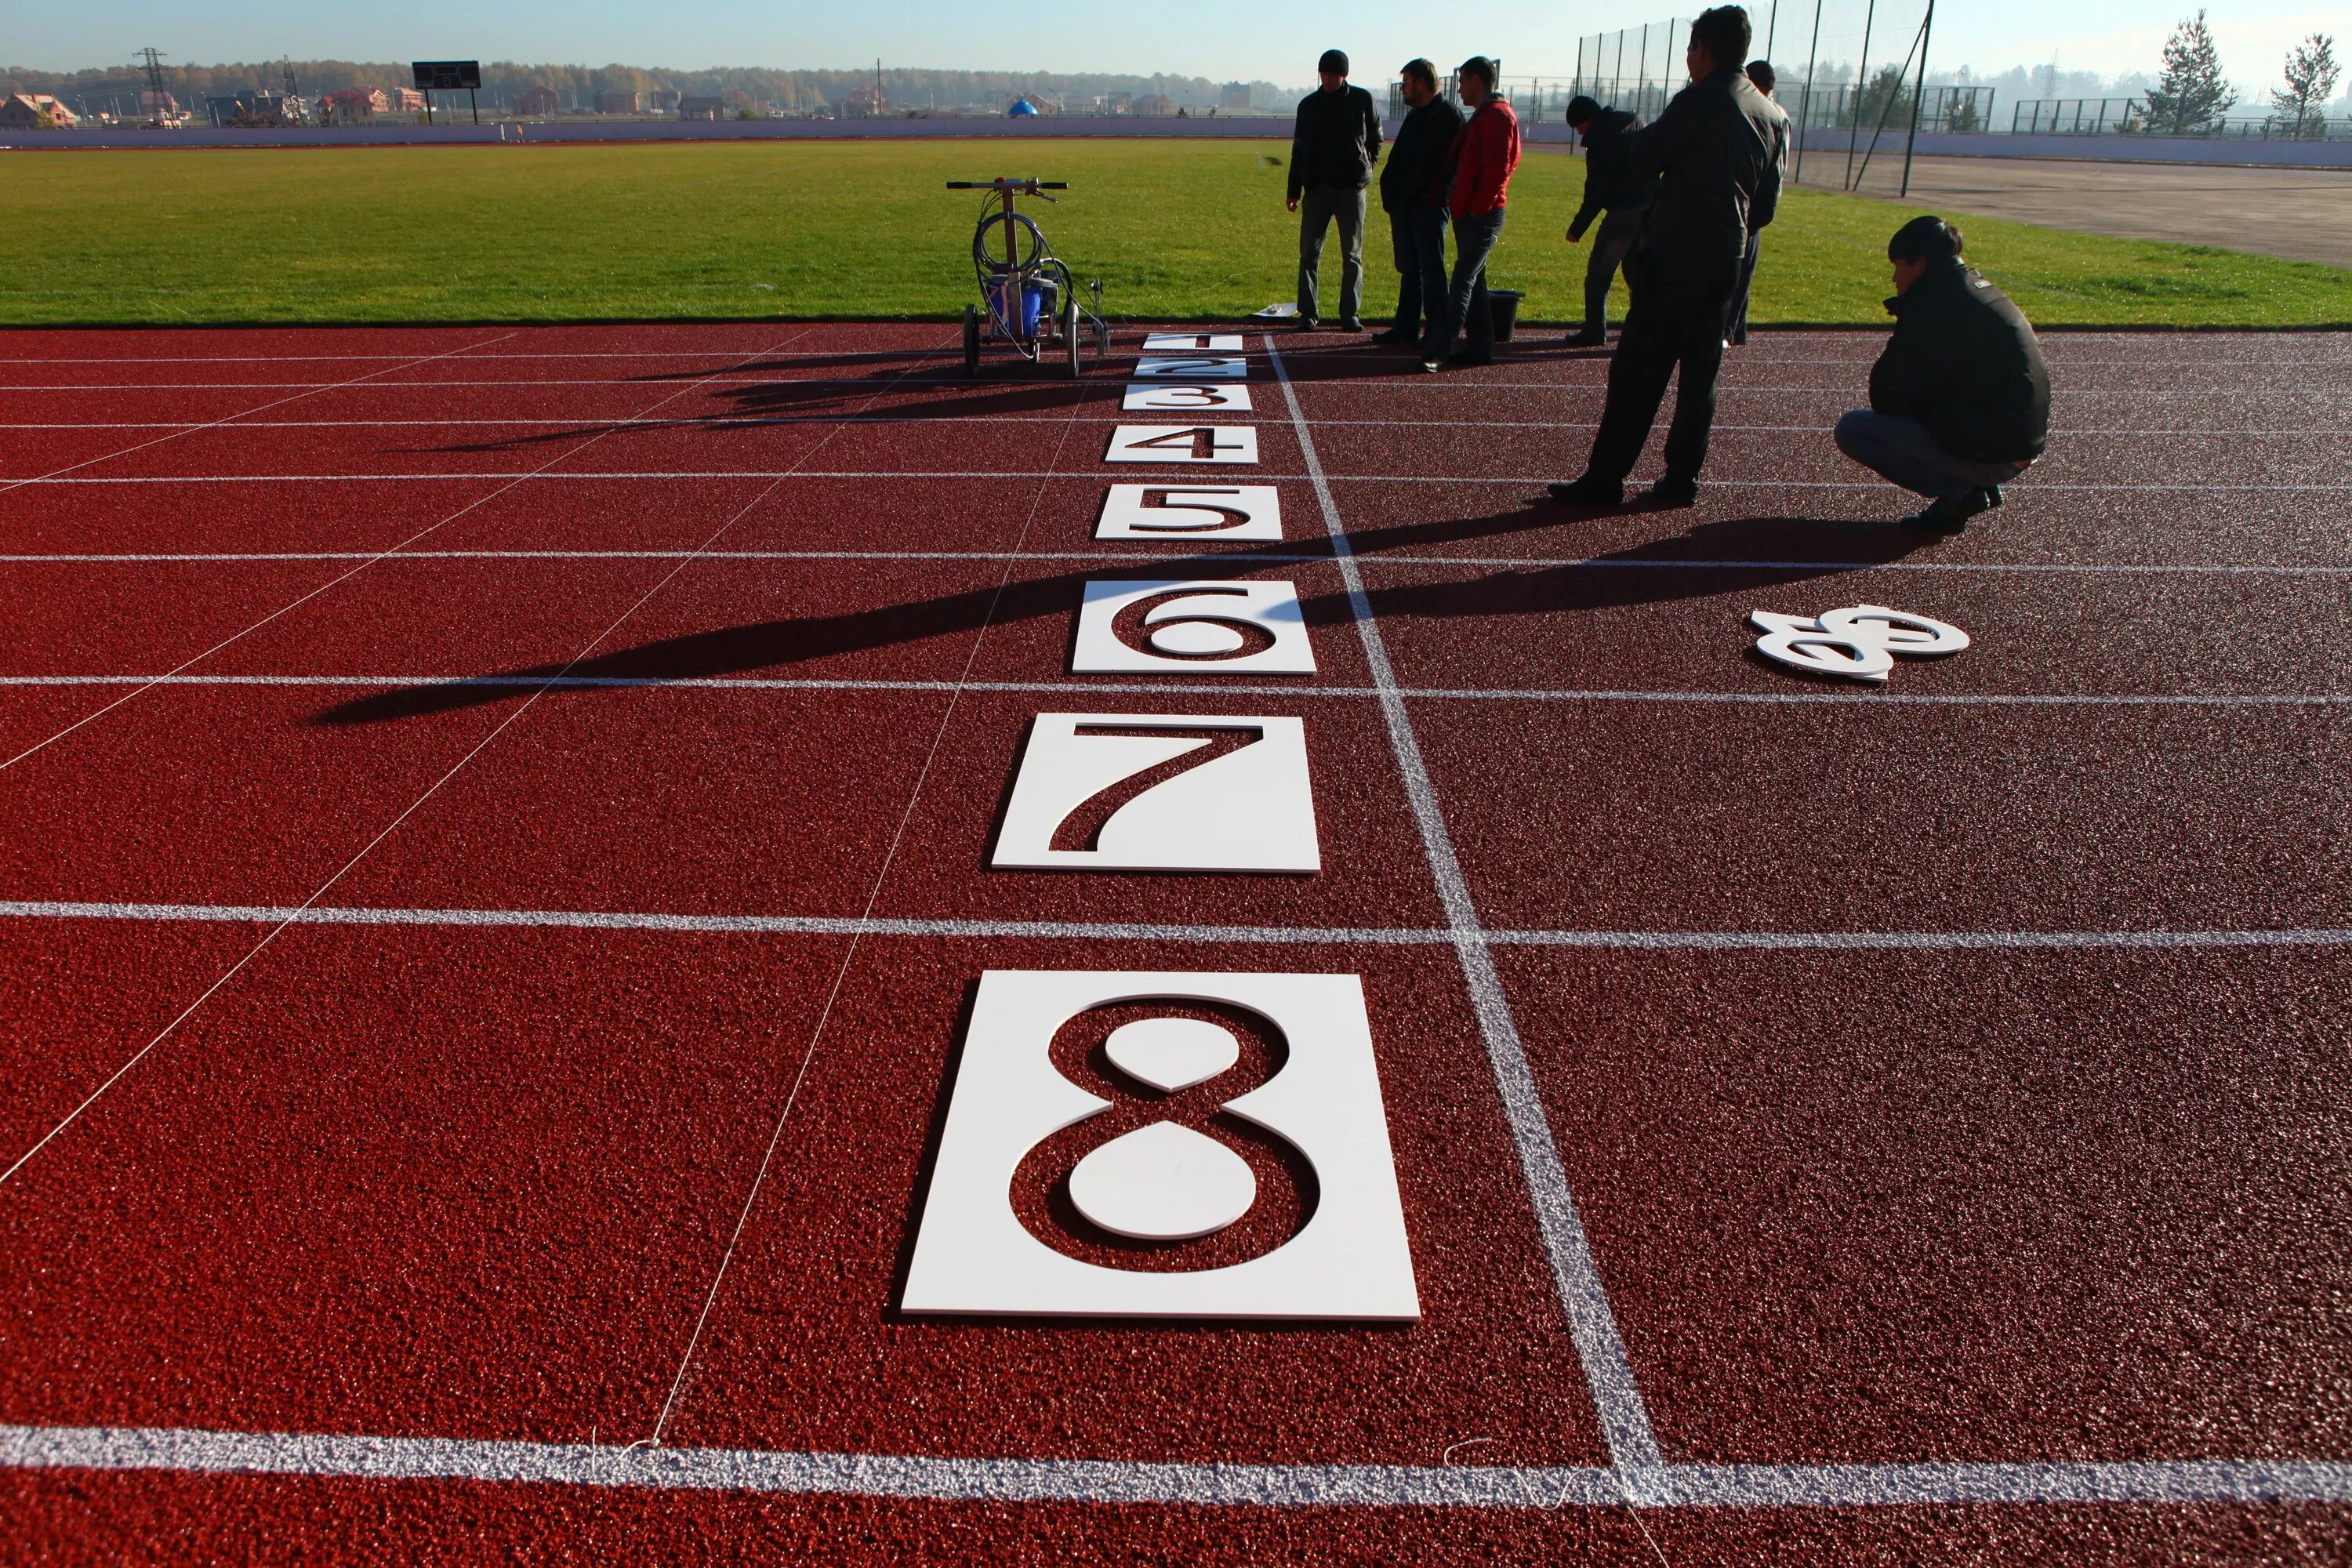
(1859, 642)
(1161, 792)
(1146, 395)
(1191, 512)
(1182, 444)
(1191, 368)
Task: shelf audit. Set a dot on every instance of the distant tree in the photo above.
(1885, 100)
(2300, 108)
(2192, 94)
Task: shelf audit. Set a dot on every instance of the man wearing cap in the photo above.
(1610, 187)
(1413, 192)
(1333, 147)
(1717, 151)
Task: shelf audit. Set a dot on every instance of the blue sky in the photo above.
(1276, 40)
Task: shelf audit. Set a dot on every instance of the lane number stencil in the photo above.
(1860, 642)
(1161, 792)
(1182, 444)
(1191, 512)
(1144, 396)
(1229, 627)
(1202, 343)
(1191, 368)
(1166, 1182)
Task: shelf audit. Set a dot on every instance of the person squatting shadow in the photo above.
(765, 647)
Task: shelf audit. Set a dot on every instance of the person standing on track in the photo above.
(1735, 327)
(1959, 401)
(1610, 187)
(1412, 192)
(1334, 145)
(1484, 156)
(1719, 148)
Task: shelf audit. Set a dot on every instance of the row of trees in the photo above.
(503, 80)
(2192, 96)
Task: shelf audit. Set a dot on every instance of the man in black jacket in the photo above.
(1719, 148)
(1610, 187)
(1959, 401)
(1412, 192)
(1333, 147)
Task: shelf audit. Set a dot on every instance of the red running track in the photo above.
(493, 869)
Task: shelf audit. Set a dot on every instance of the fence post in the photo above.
(1919, 96)
(1812, 57)
(1860, 86)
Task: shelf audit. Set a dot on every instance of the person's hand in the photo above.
(1574, 238)
(1292, 203)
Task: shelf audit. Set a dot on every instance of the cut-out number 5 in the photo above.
(1157, 512)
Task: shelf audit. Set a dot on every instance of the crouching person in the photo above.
(1959, 401)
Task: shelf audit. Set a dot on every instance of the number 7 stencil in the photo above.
(1161, 792)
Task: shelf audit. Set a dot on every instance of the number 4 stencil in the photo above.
(1161, 792)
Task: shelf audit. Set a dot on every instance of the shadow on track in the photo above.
(758, 647)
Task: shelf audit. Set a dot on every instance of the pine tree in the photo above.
(2300, 109)
(2192, 94)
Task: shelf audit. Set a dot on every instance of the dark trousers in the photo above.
(1676, 321)
(1467, 313)
(1735, 325)
(1902, 451)
(1318, 207)
(1612, 242)
(1418, 234)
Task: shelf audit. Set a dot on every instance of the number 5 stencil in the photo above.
(1161, 792)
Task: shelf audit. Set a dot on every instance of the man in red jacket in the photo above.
(1484, 153)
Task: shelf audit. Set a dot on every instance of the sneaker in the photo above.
(1589, 490)
(1672, 490)
(1307, 324)
(1949, 514)
(1432, 366)
(1586, 339)
(1352, 325)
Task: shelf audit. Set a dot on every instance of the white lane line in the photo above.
(186, 1451)
(1113, 931)
(1852, 694)
(1609, 1374)
(7, 485)
(1207, 550)
(1139, 472)
(2274, 393)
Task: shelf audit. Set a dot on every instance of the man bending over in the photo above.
(1959, 401)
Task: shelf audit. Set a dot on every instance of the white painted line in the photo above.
(1609, 1374)
(1100, 931)
(1246, 431)
(527, 680)
(185, 1451)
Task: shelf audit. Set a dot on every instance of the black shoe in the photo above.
(1992, 494)
(1586, 339)
(1589, 490)
(1432, 366)
(1671, 491)
(1949, 514)
(1352, 325)
(1396, 335)
(1307, 324)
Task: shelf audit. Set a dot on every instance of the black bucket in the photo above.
(1503, 305)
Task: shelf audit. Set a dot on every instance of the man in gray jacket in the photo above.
(1333, 147)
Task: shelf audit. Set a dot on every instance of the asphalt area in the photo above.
(495, 863)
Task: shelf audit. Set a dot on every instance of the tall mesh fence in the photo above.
(1850, 75)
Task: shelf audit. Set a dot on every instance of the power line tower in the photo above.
(159, 95)
(293, 107)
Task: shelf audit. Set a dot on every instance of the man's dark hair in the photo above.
(1582, 109)
(1724, 33)
(1761, 73)
(1333, 61)
(1420, 70)
(1924, 239)
(1482, 68)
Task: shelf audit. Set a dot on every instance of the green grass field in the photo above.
(1175, 229)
